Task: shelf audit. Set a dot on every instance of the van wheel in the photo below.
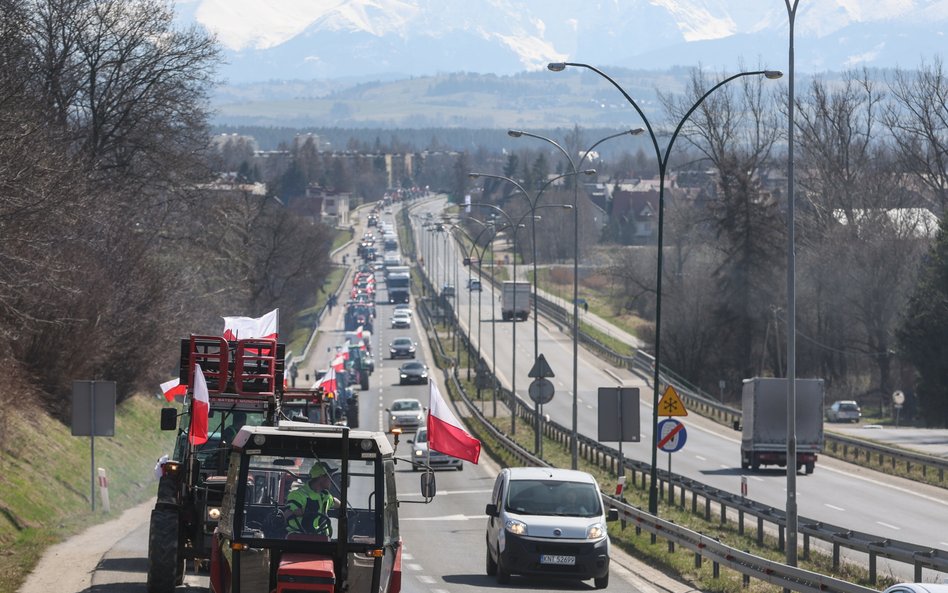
(503, 576)
(491, 565)
(602, 583)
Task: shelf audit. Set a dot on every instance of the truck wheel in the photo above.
(755, 463)
(809, 467)
(164, 569)
(364, 381)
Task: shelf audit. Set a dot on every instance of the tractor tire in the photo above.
(164, 567)
(364, 381)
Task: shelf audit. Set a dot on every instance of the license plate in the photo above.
(556, 559)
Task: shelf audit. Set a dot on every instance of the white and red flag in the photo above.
(445, 433)
(245, 328)
(173, 388)
(200, 408)
(338, 364)
(328, 381)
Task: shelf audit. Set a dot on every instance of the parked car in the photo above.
(844, 411)
(402, 347)
(407, 414)
(420, 453)
(413, 372)
(401, 319)
(548, 522)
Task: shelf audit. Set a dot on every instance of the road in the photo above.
(444, 549)
(837, 493)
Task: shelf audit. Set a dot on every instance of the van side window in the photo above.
(497, 494)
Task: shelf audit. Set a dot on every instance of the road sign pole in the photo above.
(92, 444)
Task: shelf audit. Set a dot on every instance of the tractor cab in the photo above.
(267, 541)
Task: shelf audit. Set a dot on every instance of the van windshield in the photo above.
(551, 497)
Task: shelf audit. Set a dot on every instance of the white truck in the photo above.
(515, 301)
(764, 422)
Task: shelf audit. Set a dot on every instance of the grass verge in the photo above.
(45, 480)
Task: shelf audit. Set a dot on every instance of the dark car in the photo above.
(402, 348)
(413, 372)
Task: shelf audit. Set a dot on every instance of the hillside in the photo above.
(45, 478)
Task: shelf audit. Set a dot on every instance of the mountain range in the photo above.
(392, 39)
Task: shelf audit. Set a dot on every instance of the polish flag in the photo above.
(445, 433)
(173, 388)
(245, 328)
(200, 408)
(359, 332)
(338, 364)
(328, 381)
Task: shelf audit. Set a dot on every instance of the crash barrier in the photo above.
(704, 500)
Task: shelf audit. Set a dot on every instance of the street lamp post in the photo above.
(470, 271)
(574, 448)
(538, 442)
(662, 169)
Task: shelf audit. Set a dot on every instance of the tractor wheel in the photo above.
(164, 568)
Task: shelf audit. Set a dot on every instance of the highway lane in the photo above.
(837, 493)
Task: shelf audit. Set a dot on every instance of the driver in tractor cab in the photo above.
(307, 507)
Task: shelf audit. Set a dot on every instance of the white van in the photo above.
(548, 522)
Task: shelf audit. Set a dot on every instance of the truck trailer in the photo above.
(515, 301)
(764, 422)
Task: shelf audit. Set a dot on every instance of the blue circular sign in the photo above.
(671, 435)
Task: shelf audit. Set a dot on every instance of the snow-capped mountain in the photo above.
(304, 39)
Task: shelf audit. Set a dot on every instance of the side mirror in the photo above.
(169, 419)
(491, 510)
(612, 515)
(428, 485)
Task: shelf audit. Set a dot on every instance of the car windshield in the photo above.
(413, 366)
(421, 436)
(406, 405)
(402, 342)
(848, 407)
(553, 497)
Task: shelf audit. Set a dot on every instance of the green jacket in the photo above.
(311, 503)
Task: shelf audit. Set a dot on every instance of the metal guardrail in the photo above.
(676, 489)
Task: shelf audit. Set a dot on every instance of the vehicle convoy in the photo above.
(550, 522)
(764, 422)
(277, 533)
(245, 388)
(515, 301)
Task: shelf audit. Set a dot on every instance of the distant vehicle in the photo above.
(515, 301)
(413, 372)
(447, 290)
(474, 285)
(420, 453)
(548, 522)
(764, 418)
(407, 414)
(402, 347)
(398, 286)
(844, 411)
(401, 319)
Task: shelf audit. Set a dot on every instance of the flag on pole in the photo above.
(200, 408)
(328, 381)
(338, 364)
(173, 388)
(445, 433)
(244, 328)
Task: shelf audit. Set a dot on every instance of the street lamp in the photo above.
(533, 226)
(662, 168)
(574, 448)
(470, 265)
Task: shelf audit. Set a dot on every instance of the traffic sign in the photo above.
(541, 391)
(541, 368)
(671, 404)
(671, 435)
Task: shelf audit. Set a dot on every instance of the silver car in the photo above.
(406, 414)
(421, 454)
(844, 411)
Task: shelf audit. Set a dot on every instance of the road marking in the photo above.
(834, 507)
(407, 556)
(413, 566)
(442, 518)
(426, 579)
(889, 526)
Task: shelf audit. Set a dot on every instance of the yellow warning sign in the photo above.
(670, 404)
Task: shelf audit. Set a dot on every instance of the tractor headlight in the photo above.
(213, 514)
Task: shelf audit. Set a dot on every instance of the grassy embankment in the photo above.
(45, 478)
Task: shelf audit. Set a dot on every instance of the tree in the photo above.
(923, 329)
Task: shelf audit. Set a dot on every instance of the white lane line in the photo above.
(700, 458)
(444, 492)
(407, 556)
(413, 566)
(444, 518)
(426, 579)
(893, 527)
(834, 507)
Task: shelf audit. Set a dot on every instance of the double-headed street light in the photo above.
(470, 265)
(574, 444)
(533, 231)
(662, 169)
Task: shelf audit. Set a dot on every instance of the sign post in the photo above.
(93, 413)
(541, 392)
